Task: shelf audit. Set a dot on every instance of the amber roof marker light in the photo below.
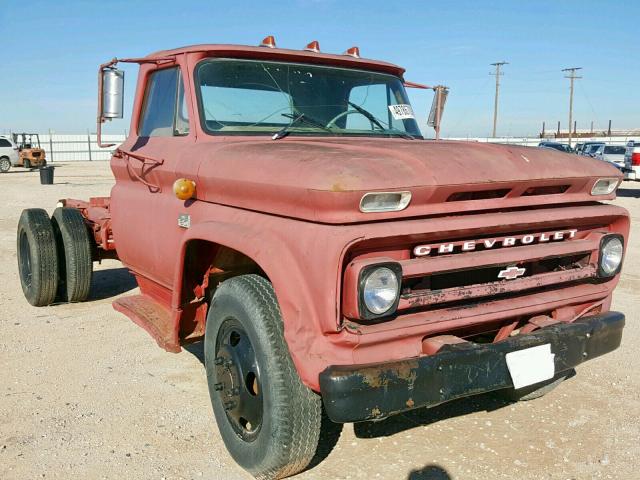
(313, 47)
(268, 41)
(353, 52)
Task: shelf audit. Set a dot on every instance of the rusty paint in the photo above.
(410, 403)
(424, 298)
(376, 377)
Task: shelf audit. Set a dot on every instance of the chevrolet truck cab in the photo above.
(283, 206)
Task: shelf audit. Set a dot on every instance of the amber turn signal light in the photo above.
(184, 188)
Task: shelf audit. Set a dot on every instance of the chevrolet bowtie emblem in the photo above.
(511, 273)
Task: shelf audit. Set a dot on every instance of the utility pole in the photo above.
(571, 75)
(498, 73)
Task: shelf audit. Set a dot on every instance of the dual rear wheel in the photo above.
(54, 256)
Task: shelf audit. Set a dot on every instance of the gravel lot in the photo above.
(85, 393)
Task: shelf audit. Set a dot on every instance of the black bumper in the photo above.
(353, 393)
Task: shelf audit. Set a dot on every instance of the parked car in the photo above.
(611, 153)
(8, 154)
(578, 148)
(632, 161)
(589, 147)
(563, 147)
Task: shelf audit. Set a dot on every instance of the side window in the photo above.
(4, 142)
(162, 115)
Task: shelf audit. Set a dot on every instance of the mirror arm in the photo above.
(408, 84)
(102, 68)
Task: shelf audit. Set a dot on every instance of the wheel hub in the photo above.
(238, 380)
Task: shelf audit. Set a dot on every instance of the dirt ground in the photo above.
(85, 393)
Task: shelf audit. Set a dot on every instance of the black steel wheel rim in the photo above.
(25, 259)
(237, 382)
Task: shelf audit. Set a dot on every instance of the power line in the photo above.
(572, 77)
(498, 74)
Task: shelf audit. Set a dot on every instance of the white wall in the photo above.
(83, 147)
(534, 141)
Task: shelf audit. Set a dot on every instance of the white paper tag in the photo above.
(401, 111)
(531, 365)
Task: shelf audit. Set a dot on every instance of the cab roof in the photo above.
(287, 55)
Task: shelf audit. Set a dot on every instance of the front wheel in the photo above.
(26, 164)
(269, 420)
(5, 165)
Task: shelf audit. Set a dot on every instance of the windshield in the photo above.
(256, 97)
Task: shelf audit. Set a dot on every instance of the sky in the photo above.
(51, 51)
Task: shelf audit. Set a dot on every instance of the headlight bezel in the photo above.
(365, 272)
(603, 241)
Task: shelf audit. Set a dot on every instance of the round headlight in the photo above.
(611, 255)
(380, 290)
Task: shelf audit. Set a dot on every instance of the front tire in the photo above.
(37, 258)
(269, 420)
(27, 164)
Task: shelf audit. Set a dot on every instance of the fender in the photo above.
(273, 254)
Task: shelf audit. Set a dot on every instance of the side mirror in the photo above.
(112, 94)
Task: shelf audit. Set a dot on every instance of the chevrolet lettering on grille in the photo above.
(497, 242)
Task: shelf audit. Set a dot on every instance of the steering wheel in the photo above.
(333, 121)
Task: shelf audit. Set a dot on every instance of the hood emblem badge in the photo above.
(511, 273)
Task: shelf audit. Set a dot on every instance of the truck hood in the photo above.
(323, 179)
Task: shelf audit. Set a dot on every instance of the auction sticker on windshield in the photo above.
(401, 111)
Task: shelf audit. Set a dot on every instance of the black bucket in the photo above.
(46, 175)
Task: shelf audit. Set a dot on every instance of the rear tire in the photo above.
(269, 420)
(37, 257)
(5, 165)
(75, 261)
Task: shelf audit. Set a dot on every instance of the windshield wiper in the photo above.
(300, 117)
(377, 123)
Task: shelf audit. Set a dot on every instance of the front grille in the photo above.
(477, 276)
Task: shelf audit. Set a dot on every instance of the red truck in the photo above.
(283, 205)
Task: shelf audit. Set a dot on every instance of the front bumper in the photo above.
(353, 393)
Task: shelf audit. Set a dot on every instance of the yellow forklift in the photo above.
(30, 153)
